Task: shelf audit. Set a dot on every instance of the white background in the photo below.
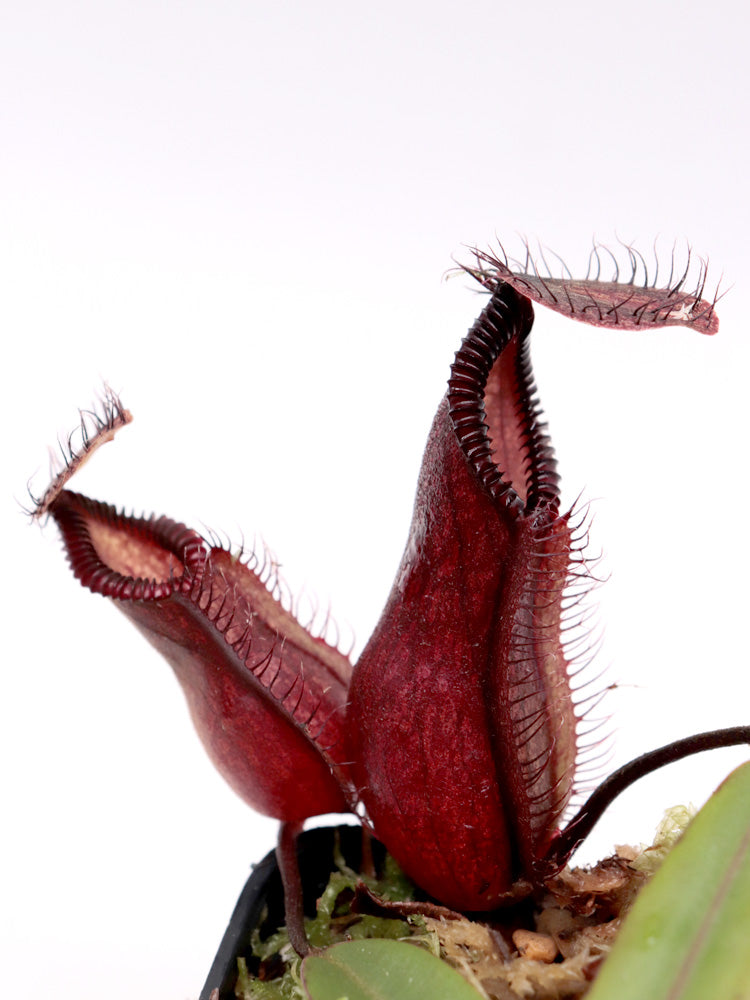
(239, 214)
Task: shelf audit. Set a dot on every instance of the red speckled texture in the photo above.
(267, 699)
(460, 710)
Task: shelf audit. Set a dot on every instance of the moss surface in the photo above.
(547, 949)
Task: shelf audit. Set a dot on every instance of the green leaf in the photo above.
(687, 935)
(382, 970)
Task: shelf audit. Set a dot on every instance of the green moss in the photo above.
(333, 923)
(287, 987)
(673, 825)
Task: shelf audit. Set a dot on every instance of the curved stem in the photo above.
(573, 835)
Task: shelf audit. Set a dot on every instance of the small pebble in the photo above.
(540, 947)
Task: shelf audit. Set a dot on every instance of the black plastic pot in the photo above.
(263, 889)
